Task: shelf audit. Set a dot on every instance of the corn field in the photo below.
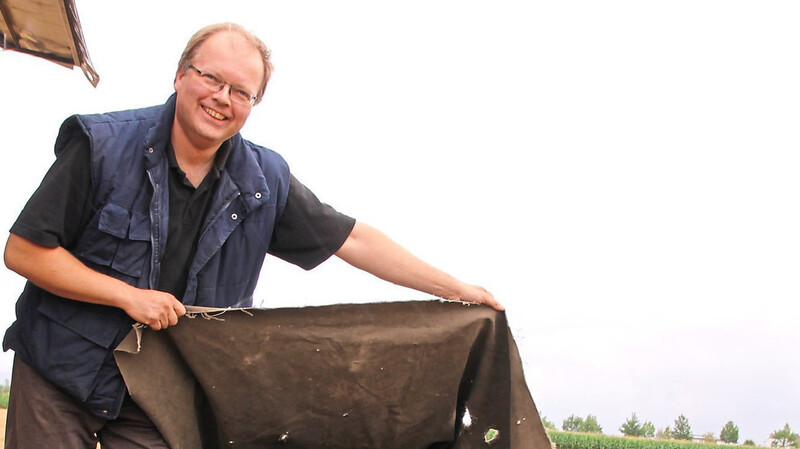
(571, 440)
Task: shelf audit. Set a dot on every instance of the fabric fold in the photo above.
(383, 375)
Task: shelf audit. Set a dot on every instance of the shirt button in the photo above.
(150, 150)
(258, 195)
(234, 216)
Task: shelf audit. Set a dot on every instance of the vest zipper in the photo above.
(155, 229)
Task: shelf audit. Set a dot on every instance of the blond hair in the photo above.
(204, 33)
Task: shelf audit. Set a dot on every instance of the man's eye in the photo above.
(211, 79)
(244, 95)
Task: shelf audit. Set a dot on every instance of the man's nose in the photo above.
(224, 94)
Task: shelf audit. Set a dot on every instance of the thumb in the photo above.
(179, 308)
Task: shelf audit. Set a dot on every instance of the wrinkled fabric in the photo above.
(381, 376)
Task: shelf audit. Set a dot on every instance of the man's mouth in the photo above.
(214, 114)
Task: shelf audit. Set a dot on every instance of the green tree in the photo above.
(729, 433)
(548, 425)
(590, 425)
(749, 443)
(648, 430)
(785, 438)
(4, 391)
(664, 434)
(631, 427)
(682, 431)
(709, 438)
(572, 424)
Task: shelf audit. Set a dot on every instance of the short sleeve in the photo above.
(62, 205)
(309, 231)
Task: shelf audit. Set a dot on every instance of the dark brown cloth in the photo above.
(380, 376)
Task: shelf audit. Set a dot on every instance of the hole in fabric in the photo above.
(466, 420)
(491, 435)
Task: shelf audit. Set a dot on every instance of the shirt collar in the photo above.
(220, 159)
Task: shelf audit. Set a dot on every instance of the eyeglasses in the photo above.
(238, 94)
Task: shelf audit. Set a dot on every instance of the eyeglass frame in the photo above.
(211, 77)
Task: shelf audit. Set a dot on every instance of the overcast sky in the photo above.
(623, 175)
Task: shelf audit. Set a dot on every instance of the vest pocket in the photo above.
(121, 240)
(93, 322)
(72, 341)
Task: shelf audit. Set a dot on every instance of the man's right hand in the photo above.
(156, 309)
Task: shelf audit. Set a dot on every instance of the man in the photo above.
(147, 211)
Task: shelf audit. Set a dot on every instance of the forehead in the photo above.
(232, 56)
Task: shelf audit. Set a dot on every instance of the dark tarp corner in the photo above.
(49, 29)
(387, 375)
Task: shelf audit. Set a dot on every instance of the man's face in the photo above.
(204, 117)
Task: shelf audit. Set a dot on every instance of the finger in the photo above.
(172, 318)
(493, 303)
(496, 305)
(179, 309)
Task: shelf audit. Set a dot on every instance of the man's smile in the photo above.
(214, 114)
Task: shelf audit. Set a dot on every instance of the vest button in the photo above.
(258, 195)
(234, 216)
(150, 150)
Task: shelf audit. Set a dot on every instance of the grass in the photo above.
(573, 440)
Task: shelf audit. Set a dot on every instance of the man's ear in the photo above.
(178, 79)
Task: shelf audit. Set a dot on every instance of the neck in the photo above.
(194, 161)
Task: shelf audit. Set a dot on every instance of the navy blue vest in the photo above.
(71, 343)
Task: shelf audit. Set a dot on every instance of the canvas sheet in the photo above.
(379, 376)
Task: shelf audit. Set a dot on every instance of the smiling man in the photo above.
(146, 211)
